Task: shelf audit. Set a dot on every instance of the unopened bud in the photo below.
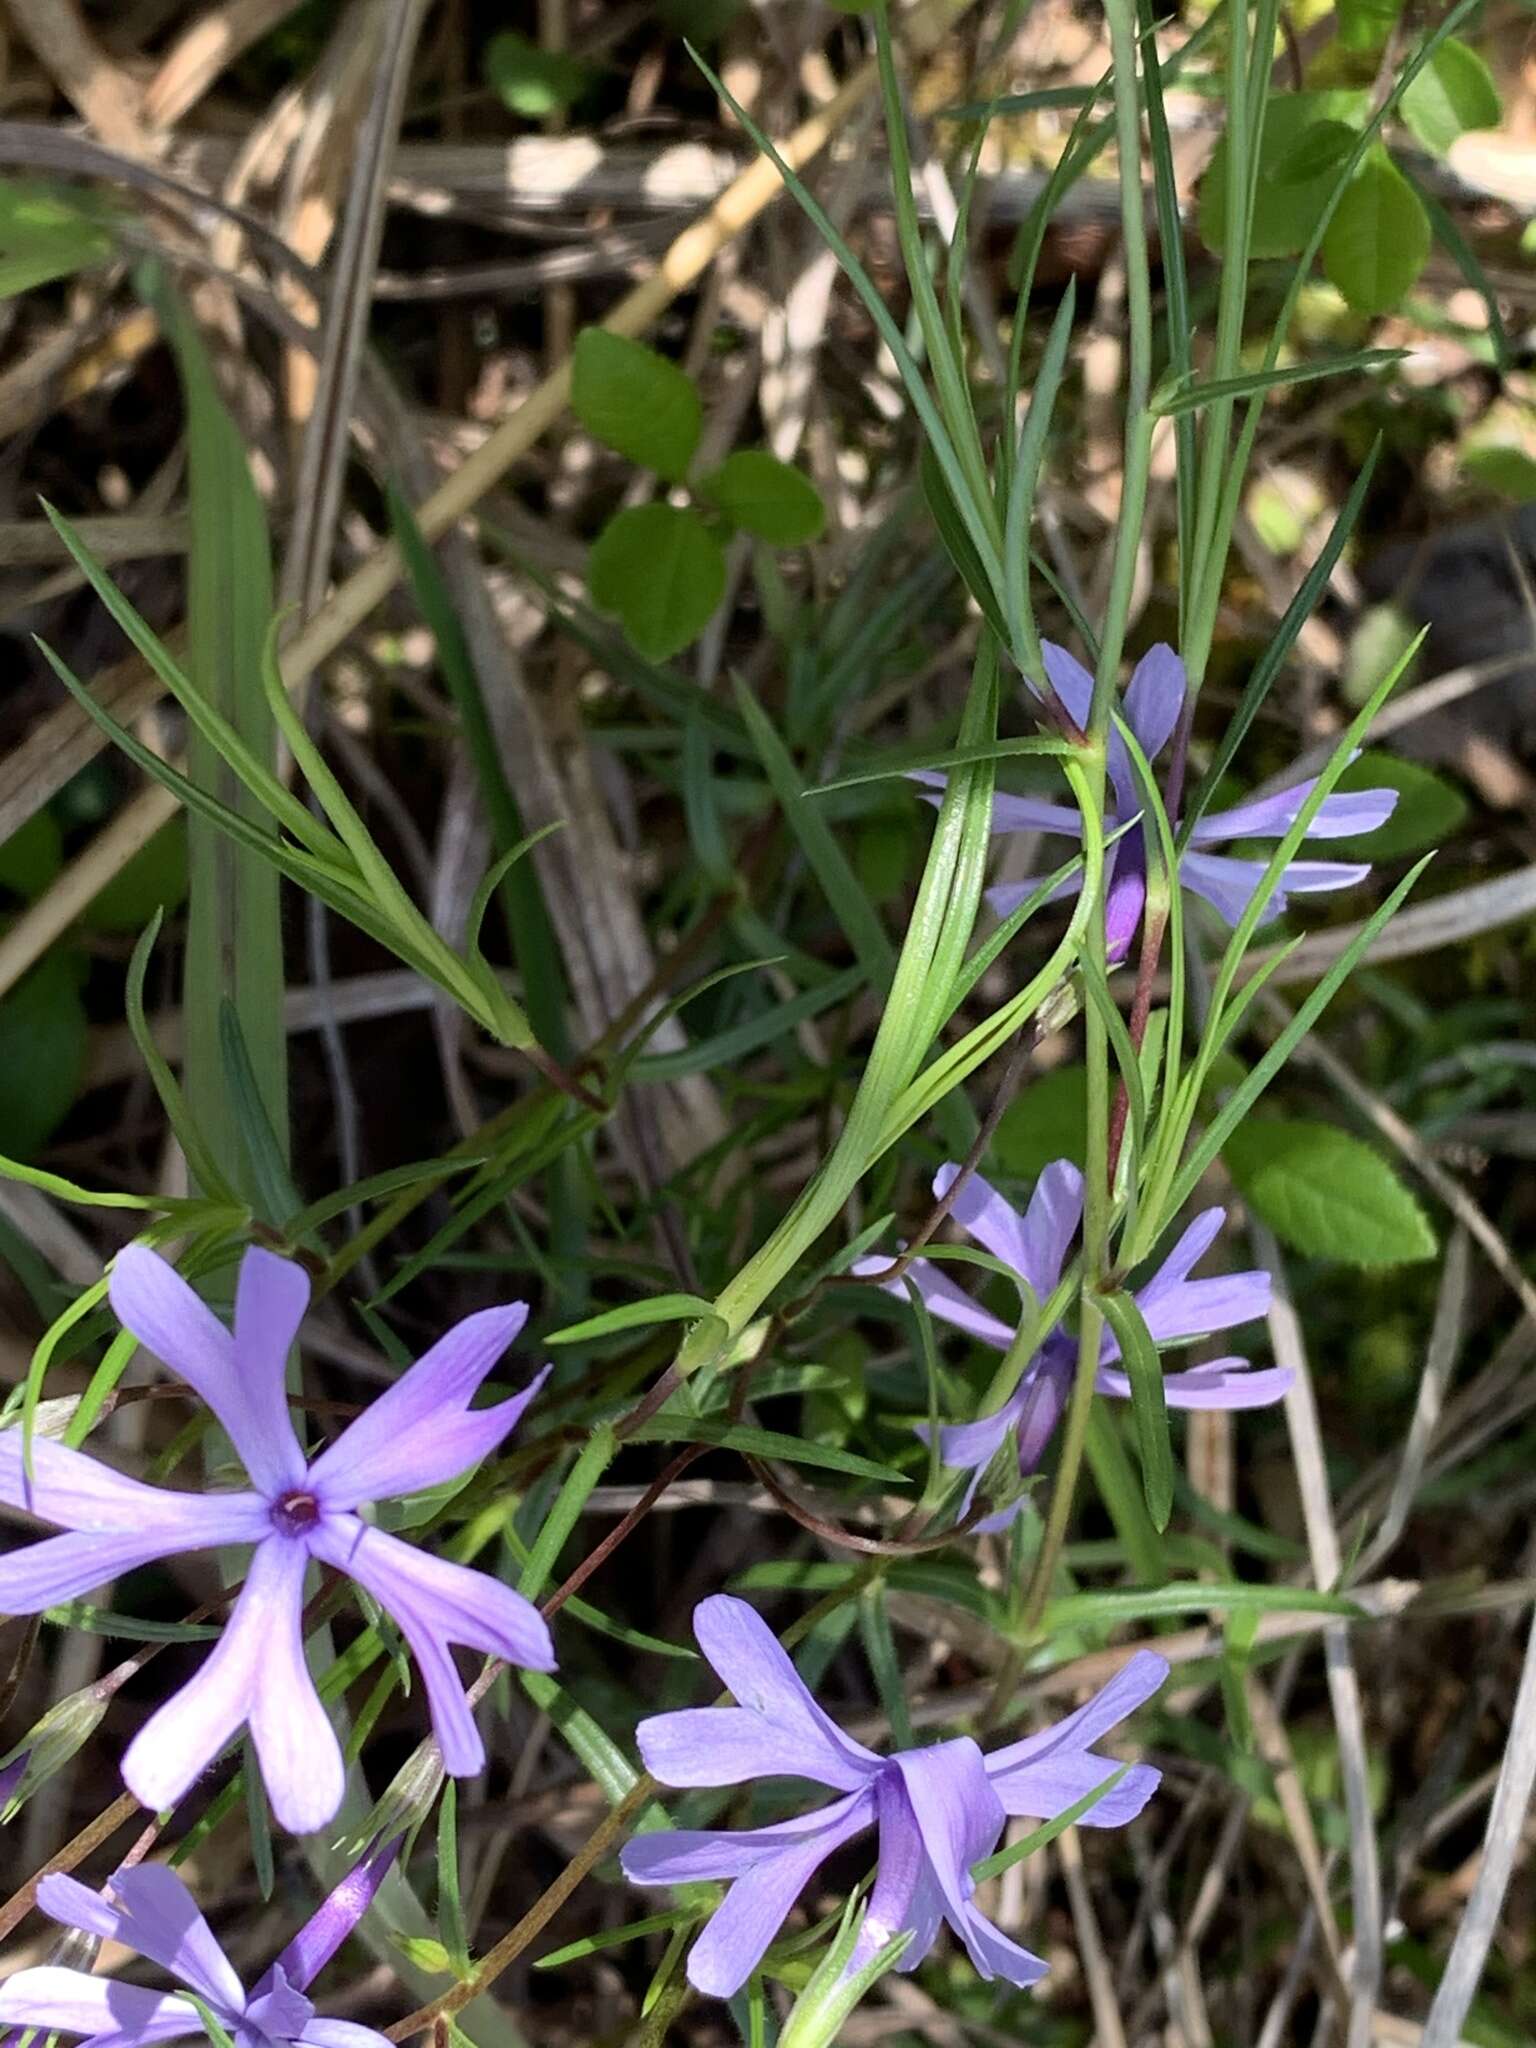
(857, 1959)
(47, 1747)
(315, 1943)
(405, 1803)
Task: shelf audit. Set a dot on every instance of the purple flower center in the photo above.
(293, 1513)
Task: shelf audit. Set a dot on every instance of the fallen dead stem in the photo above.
(688, 257)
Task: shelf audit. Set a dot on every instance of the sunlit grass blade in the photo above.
(830, 865)
(1024, 639)
(1149, 1407)
(234, 933)
(1182, 396)
(533, 940)
(1281, 640)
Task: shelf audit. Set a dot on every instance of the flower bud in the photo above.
(318, 1940)
(49, 1745)
(839, 1982)
(405, 1803)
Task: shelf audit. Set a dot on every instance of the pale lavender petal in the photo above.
(1154, 698)
(324, 2033)
(1228, 884)
(906, 1895)
(64, 1568)
(1341, 816)
(421, 1432)
(301, 1761)
(183, 1737)
(1070, 681)
(433, 1610)
(466, 1606)
(1034, 1244)
(1126, 897)
(281, 2012)
(702, 1855)
(960, 1818)
(79, 1492)
(1224, 1383)
(150, 1298)
(941, 1298)
(69, 2002)
(1044, 1789)
(335, 1918)
(150, 1910)
(994, 1955)
(1005, 897)
(757, 1904)
(747, 1656)
(1011, 813)
(1131, 1687)
(1317, 877)
(1192, 1245)
(968, 1446)
(271, 1296)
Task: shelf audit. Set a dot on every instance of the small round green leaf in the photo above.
(1378, 240)
(1429, 809)
(766, 497)
(43, 1045)
(533, 82)
(636, 402)
(1048, 1121)
(155, 879)
(662, 571)
(1509, 471)
(32, 856)
(1326, 1194)
(1453, 94)
(1297, 172)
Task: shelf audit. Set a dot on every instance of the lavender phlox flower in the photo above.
(421, 1433)
(1150, 707)
(150, 1910)
(1035, 1245)
(939, 1809)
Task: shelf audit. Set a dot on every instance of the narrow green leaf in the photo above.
(1191, 397)
(234, 936)
(831, 866)
(761, 1443)
(1149, 1408)
(635, 1315)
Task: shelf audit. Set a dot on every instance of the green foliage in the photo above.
(766, 498)
(660, 568)
(636, 402)
(1508, 471)
(1378, 240)
(47, 232)
(44, 1040)
(662, 571)
(1049, 1120)
(532, 82)
(1429, 808)
(32, 856)
(1452, 95)
(1326, 1194)
(155, 879)
(1299, 164)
